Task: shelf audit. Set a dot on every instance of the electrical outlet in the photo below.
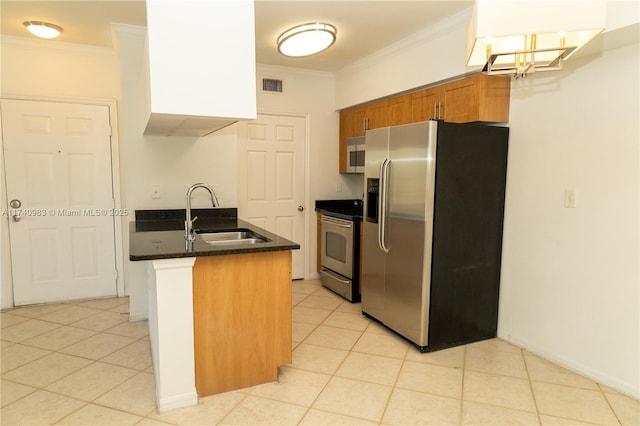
(570, 198)
(339, 187)
(155, 192)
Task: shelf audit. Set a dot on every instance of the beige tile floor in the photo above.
(83, 363)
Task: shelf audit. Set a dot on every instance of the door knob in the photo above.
(300, 208)
(15, 204)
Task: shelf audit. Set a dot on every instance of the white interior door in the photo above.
(58, 168)
(271, 188)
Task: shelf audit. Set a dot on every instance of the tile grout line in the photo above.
(604, 394)
(533, 394)
(394, 386)
(332, 375)
(60, 325)
(464, 369)
(93, 362)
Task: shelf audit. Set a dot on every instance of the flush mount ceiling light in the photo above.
(521, 37)
(306, 39)
(43, 29)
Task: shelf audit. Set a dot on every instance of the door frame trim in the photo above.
(111, 104)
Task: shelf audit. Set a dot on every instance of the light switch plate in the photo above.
(570, 198)
(155, 192)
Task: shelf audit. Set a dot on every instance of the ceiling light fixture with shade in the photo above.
(519, 37)
(306, 39)
(43, 29)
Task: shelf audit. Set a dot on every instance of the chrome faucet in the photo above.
(188, 223)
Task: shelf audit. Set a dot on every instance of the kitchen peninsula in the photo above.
(219, 307)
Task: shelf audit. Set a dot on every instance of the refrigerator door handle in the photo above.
(384, 187)
(381, 203)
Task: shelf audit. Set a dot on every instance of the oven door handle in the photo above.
(338, 222)
(333, 275)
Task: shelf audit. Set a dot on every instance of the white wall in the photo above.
(173, 163)
(432, 55)
(6, 289)
(312, 93)
(570, 280)
(40, 68)
(72, 71)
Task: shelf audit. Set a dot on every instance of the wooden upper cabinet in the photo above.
(346, 131)
(377, 115)
(360, 121)
(352, 125)
(399, 110)
(425, 104)
(477, 98)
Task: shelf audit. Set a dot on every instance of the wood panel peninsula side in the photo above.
(241, 319)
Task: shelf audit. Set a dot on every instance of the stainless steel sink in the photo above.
(227, 238)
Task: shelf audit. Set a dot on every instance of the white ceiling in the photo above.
(363, 26)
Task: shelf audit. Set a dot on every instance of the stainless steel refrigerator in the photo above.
(432, 235)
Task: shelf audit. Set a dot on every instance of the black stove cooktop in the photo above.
(352, 209)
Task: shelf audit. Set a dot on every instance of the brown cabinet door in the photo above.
(360, 121)
(478, 98)
(425, 104)
(461, 102)
(377, 115)
(399, 109)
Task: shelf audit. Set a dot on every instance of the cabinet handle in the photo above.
(440, 113)
(366, 123)
(435, 115)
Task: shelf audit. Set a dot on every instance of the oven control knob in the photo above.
(300, 208)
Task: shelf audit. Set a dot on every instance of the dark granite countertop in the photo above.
(159, 234)
(346, 209)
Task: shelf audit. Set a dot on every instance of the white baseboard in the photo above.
(179, 401)
(595, 375)
(138, 317)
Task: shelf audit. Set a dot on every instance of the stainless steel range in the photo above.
(340, 246)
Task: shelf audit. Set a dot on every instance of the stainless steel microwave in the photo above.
(355, 155)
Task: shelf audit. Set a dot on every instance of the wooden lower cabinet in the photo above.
(242, 319)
